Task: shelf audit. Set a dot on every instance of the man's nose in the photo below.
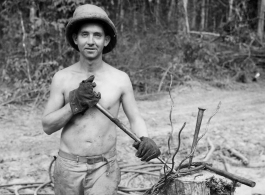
(90, 40)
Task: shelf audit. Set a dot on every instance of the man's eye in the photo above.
(97, 35)
(84, 34)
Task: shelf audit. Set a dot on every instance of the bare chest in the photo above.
(110, 90)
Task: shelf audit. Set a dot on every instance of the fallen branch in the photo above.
(24, 187)
(131, 178)
(239, 155)
(226, 165)
(138, 171)
(41, 186)
(205, 33)
(231, 161)
(231, 176)
(125, 189)
(124, 193)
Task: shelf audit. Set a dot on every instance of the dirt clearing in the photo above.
(26, 151)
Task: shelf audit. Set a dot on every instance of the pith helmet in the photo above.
(91, 13)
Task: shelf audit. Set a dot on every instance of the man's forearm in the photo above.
(139, 128)
(54, 121)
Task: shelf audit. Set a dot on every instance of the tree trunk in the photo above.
(202, 15)
(121, 14)
(157, 11)
(135, 22)
(171, 10)
(206, 14)
(143, 16)
(183, 24)
(197, 184)
(24, 36)
(193, 14)
(32, 15)
(261, 20)
(185, 5)
(230, 10)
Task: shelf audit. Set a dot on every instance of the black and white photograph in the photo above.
(132, 97)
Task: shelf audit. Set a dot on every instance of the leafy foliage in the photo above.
(33, 45)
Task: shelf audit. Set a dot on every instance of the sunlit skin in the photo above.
(91, 40)
(91, 133)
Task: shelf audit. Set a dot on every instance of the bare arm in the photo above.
(147, 148)
(56, 114)
(131, 110)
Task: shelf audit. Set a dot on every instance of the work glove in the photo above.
(146, 149)
(84, 97)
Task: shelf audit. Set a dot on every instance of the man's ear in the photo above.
(107, 40)
(74, 37)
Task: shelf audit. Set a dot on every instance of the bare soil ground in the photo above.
(26, 151)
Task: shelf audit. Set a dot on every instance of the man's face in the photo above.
(91, 40)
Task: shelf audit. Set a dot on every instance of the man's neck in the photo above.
(90, 66)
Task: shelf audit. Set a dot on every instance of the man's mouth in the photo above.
(90, 49)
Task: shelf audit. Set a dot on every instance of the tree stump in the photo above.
(199, 183)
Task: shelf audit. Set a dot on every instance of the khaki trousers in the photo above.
(79, 178)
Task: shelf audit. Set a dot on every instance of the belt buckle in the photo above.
(89, 161)
(95, 160)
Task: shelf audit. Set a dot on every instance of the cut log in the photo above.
(199, 183)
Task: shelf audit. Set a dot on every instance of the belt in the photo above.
(88, 159)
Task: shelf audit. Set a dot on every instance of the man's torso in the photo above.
(92, 133)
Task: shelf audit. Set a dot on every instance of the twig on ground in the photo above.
(138, 171)
(143, 166)
(132, 165)
(20, 183)
(226, 165)
(41, 186)
(131, 178)
(230, 160)
(125, 189)
(239, 155)
(124, 193)
(23, 187)
(209, 154)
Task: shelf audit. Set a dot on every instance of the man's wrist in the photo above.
(68, 108)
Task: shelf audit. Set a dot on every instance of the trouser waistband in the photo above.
(89, 159)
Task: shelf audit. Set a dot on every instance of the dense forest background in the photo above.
(158, 41)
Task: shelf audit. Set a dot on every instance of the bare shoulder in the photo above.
(120, 76)
(60, 76)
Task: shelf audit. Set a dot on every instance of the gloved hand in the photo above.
(84, 97)
(146, 149)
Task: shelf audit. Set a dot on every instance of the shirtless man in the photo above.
(86, 162)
